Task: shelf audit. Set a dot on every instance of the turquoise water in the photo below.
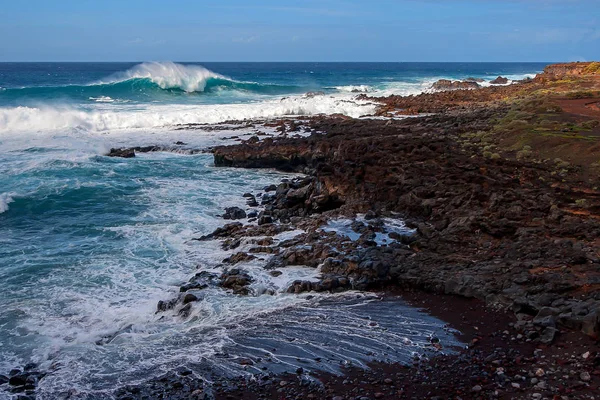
(90, 244)
(102, 97)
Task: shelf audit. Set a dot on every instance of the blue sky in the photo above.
(309, 30)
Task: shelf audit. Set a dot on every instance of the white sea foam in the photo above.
(354, 88)
(103, 99)
(51, 118)
(169, 75)
(5, 200)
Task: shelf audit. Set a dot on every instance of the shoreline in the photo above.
(493, 222)
(499, 235)
(474, 250)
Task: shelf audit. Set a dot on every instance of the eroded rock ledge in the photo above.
(502, 230)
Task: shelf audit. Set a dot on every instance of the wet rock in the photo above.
(189, 297)
(123, 153)
(239, 257)
(223, 232)
(185, 311)
(166, 305)
(265, 219)
(234, 213)
(201, 280)
(236, 280)
(251, 202)
(18, 380)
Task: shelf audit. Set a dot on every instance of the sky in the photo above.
(308, 30)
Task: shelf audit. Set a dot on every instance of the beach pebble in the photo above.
(585, 376)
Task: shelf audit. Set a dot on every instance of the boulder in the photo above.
(237, 280)
(234, 213)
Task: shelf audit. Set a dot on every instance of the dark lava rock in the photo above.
(237, 280)
(500, 81)
(185, 311)
(123, 153)
(201, 280)
(251, 202)
(189, 297)
(239, 257)
(265, 219)
(17, 380)
(445, 84)
(223, 232)
(234, 213)
(166, 305)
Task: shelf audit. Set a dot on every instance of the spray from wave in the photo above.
(51, 118)
(5, 200)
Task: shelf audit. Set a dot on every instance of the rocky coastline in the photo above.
(483, 209)
(494, 216)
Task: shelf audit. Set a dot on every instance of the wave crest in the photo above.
(170, 75)
(5, 200)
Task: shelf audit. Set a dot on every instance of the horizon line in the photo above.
(299, 62)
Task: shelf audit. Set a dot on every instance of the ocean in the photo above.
(89, 244)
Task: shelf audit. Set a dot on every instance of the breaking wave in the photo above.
(148, 79)
(50, 118)
(5, 200)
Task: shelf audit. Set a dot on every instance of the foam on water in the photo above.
(5, 200)
(90, 244)
(52, 118)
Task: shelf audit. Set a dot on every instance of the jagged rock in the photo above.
(237, 280)
(201, 280)
(166, 305)
(185, 311)
(225, 231)
(239, 257)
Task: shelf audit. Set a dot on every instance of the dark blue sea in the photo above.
(89, 244)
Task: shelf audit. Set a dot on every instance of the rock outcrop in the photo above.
(445, 84)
